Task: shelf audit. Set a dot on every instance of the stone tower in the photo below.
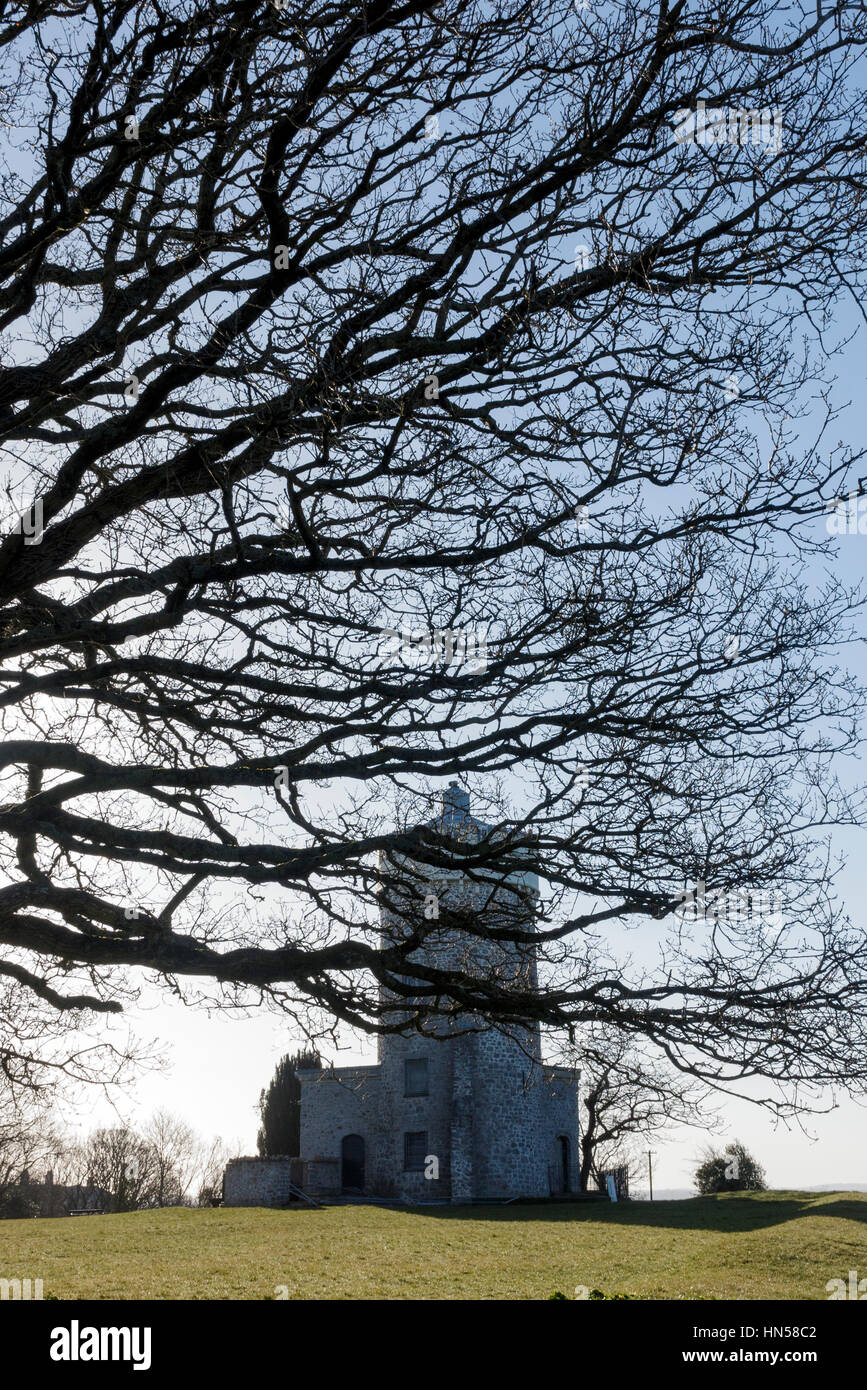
(457, 1111)
(480, 1096)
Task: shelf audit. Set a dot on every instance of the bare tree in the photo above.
(397, 392)
(28, 1140)
(628, 1098)
(213, 1160)
(122, 1164)
(166, 1164)
(50, 1056)
(175, 1156)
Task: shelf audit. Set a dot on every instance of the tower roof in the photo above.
(454, 817)
(455, 796)
(456, 821)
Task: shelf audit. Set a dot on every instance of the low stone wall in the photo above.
(260, 1182)
(322, 1177)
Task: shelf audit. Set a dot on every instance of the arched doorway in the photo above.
(563, 1143)
(352, 1163)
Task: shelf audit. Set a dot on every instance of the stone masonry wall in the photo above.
(334, 1103)
(257, 1182)
(401, 1114)
(560, 1110)
(510, 1148)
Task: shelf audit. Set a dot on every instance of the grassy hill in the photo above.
(769, 1245)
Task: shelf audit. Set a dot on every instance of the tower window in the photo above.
(415, 1081)
(414, 1151)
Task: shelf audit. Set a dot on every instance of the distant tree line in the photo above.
(116, 1169)
(163, 1164)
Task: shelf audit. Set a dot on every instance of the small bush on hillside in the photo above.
(733, 1170)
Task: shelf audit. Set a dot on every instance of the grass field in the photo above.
(771, 1245)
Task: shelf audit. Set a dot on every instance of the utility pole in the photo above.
(650, 1171)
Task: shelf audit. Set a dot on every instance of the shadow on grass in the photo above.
(731, 1213)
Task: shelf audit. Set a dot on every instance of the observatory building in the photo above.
(471, 1117)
